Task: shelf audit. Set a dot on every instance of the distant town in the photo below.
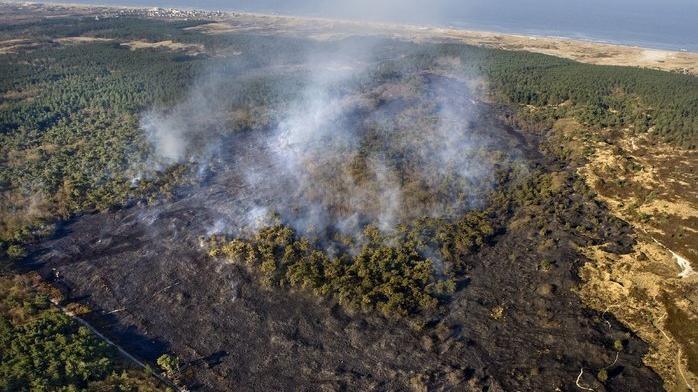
(157, 12)
(115, 12)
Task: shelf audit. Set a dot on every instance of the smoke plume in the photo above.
(356, 145)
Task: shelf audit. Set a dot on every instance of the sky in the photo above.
(671, 24)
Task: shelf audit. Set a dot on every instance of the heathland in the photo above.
(262, 202)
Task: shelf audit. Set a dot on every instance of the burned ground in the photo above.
(514, 324)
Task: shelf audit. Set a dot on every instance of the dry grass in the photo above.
(648, 185)
(80, 40)
(17, 45)
(638, 289)
(169, 44)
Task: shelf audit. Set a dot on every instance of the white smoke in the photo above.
(188, 130)
(167, 135)
(301, 167)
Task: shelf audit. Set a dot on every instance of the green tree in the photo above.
(169, 364)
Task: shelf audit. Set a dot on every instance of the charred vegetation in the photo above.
(347, 215)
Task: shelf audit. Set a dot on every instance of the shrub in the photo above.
(16, 252)
(389, 275)
(169, 364)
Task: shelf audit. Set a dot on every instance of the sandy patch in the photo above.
(679, 208)
(685, 265)
(80, 40)
(635, 287)
(17, 45)
(214, 28)
(654, 55)
(169, 44)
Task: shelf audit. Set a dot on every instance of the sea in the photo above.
(660, 24)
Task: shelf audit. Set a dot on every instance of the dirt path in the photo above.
(121, 350)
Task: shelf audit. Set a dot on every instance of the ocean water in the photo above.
(662, 24)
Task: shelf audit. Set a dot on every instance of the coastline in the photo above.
(604, 35)
(582, 50)
(591, 52)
